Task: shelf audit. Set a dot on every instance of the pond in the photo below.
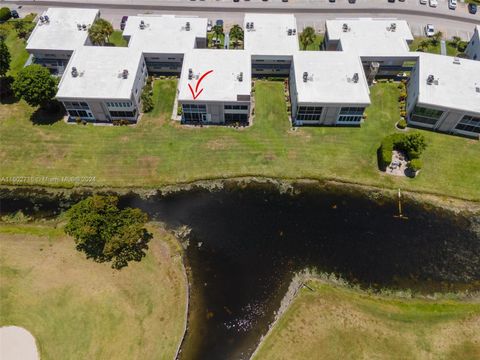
(245, 245)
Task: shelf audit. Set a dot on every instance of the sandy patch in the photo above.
(16, 343)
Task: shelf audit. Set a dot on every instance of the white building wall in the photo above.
(473, 48)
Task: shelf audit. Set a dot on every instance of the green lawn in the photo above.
(79, 309)
(116, 39)
(16, 46)
(159, 151)
(451, 50)
(332, 322)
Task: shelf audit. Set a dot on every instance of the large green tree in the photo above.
(236, 34)
(100, 32)
(307, 37)
(35, 85)
(106, 233)
(218, 32)
(4, 58)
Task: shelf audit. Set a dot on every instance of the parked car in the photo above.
(452, 4)
(352, 1)
(14, 14)
(429, 30)
(209, 25)
(433, 3)
(423, 2)
(219, 22)
(123, 22)
(472, 8)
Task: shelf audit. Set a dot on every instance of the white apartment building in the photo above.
(444, 95)
(473, 48)
(215, 87)
(330, 89)
(103, 84)
(57, 34)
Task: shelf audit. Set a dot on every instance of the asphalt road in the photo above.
(308, 12)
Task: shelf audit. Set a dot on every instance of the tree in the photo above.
(5, 14)
(35, 85)
(217, 31)
(455, 41)
(106, 233)
(307, 37)
(4, 58)
(436, 38)
(100, 31)
(423, 45)
(236, 33)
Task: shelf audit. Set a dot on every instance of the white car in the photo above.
(433, 3)
(209, 25)
(452, 4)
(429, 30)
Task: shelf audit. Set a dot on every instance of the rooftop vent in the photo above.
(142, 24)
(294, 31)
(477, 88)
(393, 27)
(84, 27)
(79, 27)
(355, 78)
(74, 71)
(430, 79)
(190, 74)
(345, 27)
(42, 19)
(249, 25)
(456, 60)
(125, 73)
(289, 32)
(187, 26)
(305, 76)
(46, 18)
(240, 76)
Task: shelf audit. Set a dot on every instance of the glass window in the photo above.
(425, 115)
(470, 124)
(309, 113)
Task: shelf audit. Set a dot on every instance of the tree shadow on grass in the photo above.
(6, 93)
(48, 115)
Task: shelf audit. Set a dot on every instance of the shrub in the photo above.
(411, 144)
(78, 120)
(415, 165)
(462, 46)
(179, 110)
(403, 96)
(402, 124)
(147, 99)
(5, 14)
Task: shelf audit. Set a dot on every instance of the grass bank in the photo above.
(333, 322)
(79, 309)
(159, 152)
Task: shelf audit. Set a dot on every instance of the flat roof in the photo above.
(61, 32)
(100, 73)
(164, 34)
(371, 37)
(269, 35)
(457, 82)
(330, 78)
(223, 83)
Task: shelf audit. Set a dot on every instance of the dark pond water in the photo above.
(245, 245)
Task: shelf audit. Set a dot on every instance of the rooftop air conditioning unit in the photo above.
(74, 71)
(477, 88)
(294, 31)
(430, 79)
(305, 76)
(289, 32)
(393, 27)
(251, 25)
(42, 19)
(355, 78)
(345, 27)
(84, 27)
(187, 26)
(240, 76)
(190, 74)
(46, 18)
(247, 26)
(456, 60)
(125, 73)
(142, 24)
(79, 27)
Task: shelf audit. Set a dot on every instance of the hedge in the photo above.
(411, 144)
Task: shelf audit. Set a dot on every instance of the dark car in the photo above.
(14, 14)
(472, 8)
(352, 1)
(123, 22)
(219, 22)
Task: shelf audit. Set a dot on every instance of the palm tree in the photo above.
(236, 33)
(217, 32)
(100, 32)
(455, 41)
(307, 37)
(436, 38)
(423, 45)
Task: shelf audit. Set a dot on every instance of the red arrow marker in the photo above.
(197, 93)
